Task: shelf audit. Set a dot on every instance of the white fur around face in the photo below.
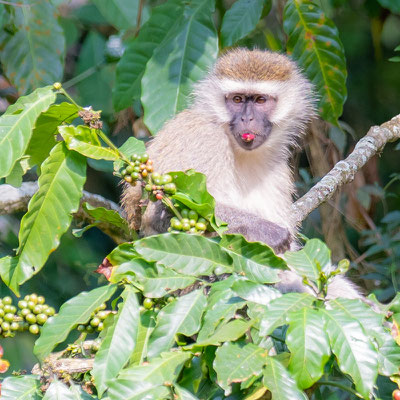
(294, 106)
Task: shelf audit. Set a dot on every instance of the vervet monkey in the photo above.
(245, 116)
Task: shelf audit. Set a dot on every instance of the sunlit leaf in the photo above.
(24, 387)
(58, 391)
(279, 382)
(309, 346)
(85, 141)
(256, 261)
(49, 212)
(16, 129)
(119, 341)
(75, 311)
(136, 381)
(255, 292)
(353, 350)
(277, 310)
(222, 304)
(236, 362)
(186, 254)
(310, 260)
(182, 316)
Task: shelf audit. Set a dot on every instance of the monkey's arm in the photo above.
(254, 228)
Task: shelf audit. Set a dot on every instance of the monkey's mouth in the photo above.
(248, 137)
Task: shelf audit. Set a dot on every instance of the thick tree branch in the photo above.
(16, 200)
(344, 171)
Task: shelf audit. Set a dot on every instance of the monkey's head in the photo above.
(259, 96)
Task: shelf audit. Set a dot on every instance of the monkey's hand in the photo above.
(254, 228)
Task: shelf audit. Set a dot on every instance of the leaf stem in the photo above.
(167, 201)
(62, 91)
(113, 146)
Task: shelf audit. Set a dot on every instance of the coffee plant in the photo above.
(192, 313)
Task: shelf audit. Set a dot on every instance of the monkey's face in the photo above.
(250, 122)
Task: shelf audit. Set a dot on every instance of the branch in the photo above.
(16, 200)
(344, 171)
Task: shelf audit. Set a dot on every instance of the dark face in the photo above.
(250, 118)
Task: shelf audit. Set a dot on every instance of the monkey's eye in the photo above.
(261, 100)
(237, 99)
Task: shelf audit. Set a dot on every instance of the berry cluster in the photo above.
(190, 222)
(32, 312)
(138, 168)
(95, 323)
(155, 304)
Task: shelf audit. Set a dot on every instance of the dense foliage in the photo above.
(187, 316)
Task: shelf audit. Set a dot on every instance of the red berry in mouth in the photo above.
(248, 137)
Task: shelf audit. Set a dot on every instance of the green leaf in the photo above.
(315, 44)
(192, 192)
(221, 307)
(389, 356)
(16, 129)
(131, 67)
(277, 310)
(130, 147)
(186, 254)
(136, 381)
(228, 332)
(370, 321)
(255, 292)
(165, 282)
(181, 316)
(279, 382)
(354, 352)
(101, 214)
(392, 5)
(85, 141)
(236, 362)
(7, 270)
(43, 136)
(24, 387)
(183, 58)
(256, 261)
(309, 346)
(122, 14)
(310, 260)
(34, 55)
(75, 311)
(119, 341)
(184, 394)
(49, 212)
(240, 20)
(58, 391)
(145, 328)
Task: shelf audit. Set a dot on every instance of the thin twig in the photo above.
(139, 17)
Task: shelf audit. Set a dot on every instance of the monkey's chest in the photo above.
(257, 196)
